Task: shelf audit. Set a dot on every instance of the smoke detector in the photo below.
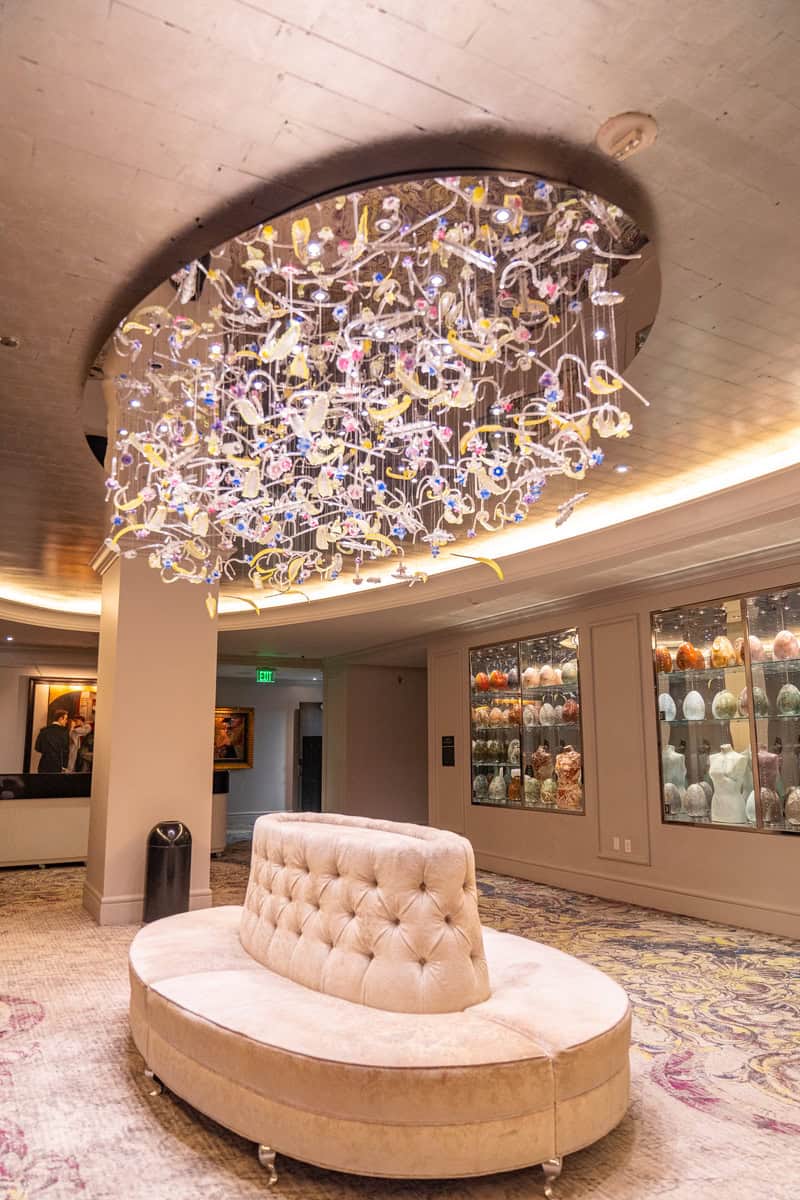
(626, 134)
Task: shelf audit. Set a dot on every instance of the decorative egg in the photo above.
(663, 660)
(705, 784)
(694, 707)
(699, 660)
(481, 715)
(497, 788)
(559, 714)
(771, 807)
(513, 752)
(513, 678)
(533, 789)
(666, 706)
(549, 791)
(696, 800)
(672, 798)
(496, 716)
(498, 680)
(559, 677)
(722, 653)
(480, 787)
(514, 713)
(569, 672)
(723, 706)
(571, 711)
(788, 701)
(482, 681)
(547, 715)
(495, 751)
(791, 808)
(760, 703)
(478, 751)
(548, 676)
(757, 651)
(785, 645)
(530, 677)
(685, 658)
(530, 716)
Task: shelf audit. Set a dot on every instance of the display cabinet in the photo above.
(727, 678)
(526, 749)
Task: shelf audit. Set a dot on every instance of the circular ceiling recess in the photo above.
(374, 381)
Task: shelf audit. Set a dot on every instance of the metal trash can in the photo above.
(169, 867)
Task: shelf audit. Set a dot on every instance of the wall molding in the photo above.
(704, 906)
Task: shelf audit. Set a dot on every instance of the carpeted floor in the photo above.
(716, 1064)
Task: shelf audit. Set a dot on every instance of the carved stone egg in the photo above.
(513, 678)
(785, 645)
(496, 716)
(696, 800)
(724, 706)
(722, 653)
(663, 660)
(548, 676)
(788, 701)
(685, 657)
(569, 672)
(530, 677)
(666, 706)
(480, 787)
(547, 715)
(530, 716)
(694, 707)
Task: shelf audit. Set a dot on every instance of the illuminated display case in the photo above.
(728, 703)
(526, 747)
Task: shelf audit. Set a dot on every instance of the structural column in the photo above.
(153, 749)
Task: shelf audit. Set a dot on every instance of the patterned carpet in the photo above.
(716, 1092)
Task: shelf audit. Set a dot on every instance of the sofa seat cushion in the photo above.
(553, 1029)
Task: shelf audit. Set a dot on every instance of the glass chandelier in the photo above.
(385, 374)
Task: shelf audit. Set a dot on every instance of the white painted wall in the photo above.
(268, 786)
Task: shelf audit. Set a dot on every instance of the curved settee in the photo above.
(354, 1014)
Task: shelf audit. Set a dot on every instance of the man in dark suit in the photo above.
(52, 743)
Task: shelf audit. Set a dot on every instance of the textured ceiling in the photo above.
(133, 136)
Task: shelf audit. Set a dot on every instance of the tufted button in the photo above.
(423, 962)
(448, 920)
(370, 954)
(396, 921)
(423, 886)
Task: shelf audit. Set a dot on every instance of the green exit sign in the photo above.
(265, 675)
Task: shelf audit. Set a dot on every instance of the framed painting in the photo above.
(233, 738)
(60, 704)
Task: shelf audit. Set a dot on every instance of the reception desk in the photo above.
(44, 819)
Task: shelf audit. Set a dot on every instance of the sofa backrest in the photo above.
(377, 912)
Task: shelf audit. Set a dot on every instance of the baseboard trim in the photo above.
(704, 906)
(129, 910)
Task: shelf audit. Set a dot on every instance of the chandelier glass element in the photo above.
(385, 374)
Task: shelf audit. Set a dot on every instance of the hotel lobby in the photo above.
(399, 600)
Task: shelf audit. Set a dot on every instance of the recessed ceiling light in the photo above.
(581, 243)
(314, 249)
(437, 281)
(600, 335)
(626, 134)
(384, 224)
(11, 343)
(621, 469)
(502, 216)
(319, 295)
(9, 637)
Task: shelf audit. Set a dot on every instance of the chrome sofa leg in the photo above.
(552, 1170)
(156, 1082)
(266, 1156)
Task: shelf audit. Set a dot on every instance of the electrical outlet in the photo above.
(615, 843)
(627, 845)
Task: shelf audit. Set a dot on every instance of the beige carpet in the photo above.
(716, 1093)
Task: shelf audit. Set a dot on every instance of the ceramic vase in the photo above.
(694, 707)
(791, 808)
(785, 645)
(696, 801)
(480, 788)
(672, 798)
(788, 701)
(666, 706)
(497, 788)
(723, 706)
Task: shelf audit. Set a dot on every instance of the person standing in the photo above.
(52, 742)
(78, 729)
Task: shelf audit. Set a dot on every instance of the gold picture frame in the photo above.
(233, 738)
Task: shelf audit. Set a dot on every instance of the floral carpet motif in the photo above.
(715, 1110)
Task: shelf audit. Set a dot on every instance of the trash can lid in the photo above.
(169, 833)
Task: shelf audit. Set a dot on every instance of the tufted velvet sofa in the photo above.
(354, 1013)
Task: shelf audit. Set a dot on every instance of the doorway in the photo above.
(308, 758)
